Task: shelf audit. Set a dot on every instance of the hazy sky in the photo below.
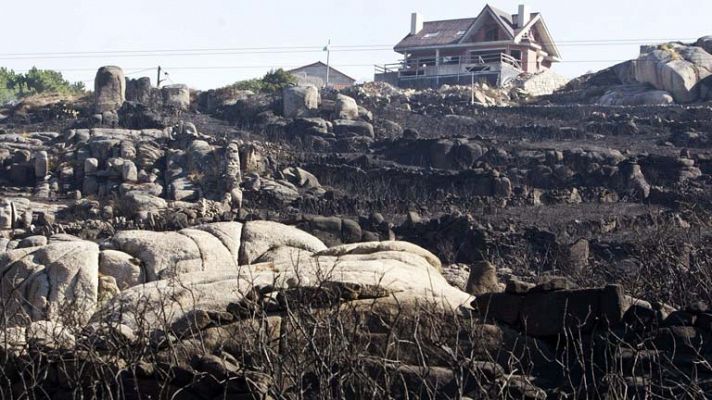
(366, 29)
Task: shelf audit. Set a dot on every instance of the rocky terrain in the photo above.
(662, 74)
(368, 243)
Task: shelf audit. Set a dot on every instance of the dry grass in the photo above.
(321, 342)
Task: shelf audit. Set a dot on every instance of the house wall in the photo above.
(316, 75)
(459, 52)
(529, 61)
(481, 35)
(435, 82)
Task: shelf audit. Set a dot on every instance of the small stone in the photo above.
(698, 307)
(483, 279)
(176, 97)
(129, 172)
(33, 241)
(215, 366)
(346, 107)
(553, 283)
(41, 164)
(413, 218)
(515, 286)
(299, 100)
(704, 321)
(679, 318)
(411, 134)
(236, 198)
(91, 166)
(45, 218)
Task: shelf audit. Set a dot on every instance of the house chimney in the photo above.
(524, 15)
(416, 23)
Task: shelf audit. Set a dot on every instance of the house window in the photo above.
(517, 54)
(431, 35)
(492, 35)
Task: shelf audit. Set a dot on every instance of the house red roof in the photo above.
(436, 33)
(453, 31)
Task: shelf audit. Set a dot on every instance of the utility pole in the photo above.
(159, 80)
(472, 89)
(327, 49)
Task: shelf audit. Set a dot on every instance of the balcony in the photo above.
(496, 68)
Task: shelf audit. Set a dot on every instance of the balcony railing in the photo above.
(467, 64)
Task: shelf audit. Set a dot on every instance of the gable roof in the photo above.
(502, 19)
(505, 19)
(456, 31)
(438, 33)
(332, 70)
(547, 41)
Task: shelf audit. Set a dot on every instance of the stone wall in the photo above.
(543, 83)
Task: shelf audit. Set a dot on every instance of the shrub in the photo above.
(35, 81)
(273, 81)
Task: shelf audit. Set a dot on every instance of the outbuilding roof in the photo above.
(332, 70)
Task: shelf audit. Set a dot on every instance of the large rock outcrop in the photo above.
(139, 90)
(662, 73)
(167, 254)
(56, 281)
(298, 101)
(543, 83)
(550, 308)
(705, 43)
(261, 236)
(174, 283)
(388, 267)
(176, 97)
(109, 89)
(162, 276)
(677, 69)
(346, 107)
(635, 95)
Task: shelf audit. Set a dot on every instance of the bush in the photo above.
(7, 79)
(273, 81)
(36, 81)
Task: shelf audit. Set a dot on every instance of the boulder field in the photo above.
(370, 242)
(210, 266)
(219, 309)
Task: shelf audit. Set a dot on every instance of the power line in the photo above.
(135, 72)
(195, 50)
(184, 54)
(290, 49)
(628, 40)
(139, 53)
(279, 65)
(365, 50)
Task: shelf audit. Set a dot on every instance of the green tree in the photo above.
(278, 79)
(272, 81)
(7, 85)
(35, 81)
(254, 85)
